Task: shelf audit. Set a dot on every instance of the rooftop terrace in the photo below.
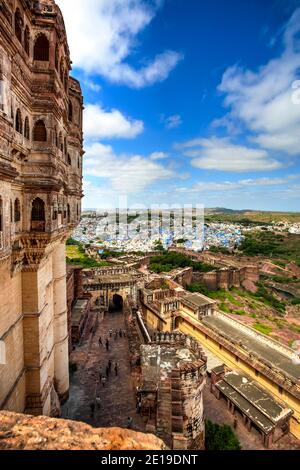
(268, 354)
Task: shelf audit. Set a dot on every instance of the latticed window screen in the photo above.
(19, 122)
(18, 25)
(27, 40)
(26, 129)
(38, 210)
(41, 48)
(39, 132)
(17, 210)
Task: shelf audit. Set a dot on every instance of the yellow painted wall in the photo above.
(235, 363)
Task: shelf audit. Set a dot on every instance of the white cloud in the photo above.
(241, 184)
(172, 122)
(102, 124)
(263, 100)
(92, 85)
(103, 34)
(222, 155)
(126, 174)
(158, 156)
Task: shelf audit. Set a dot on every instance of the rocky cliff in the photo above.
(26, 432)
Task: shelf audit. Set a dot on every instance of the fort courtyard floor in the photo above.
(117, 397)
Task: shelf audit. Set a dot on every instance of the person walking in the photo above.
(107, 372)
(100, 341)
(116, 336)
(107, 345)
(129, 422)
(103, 380)
(110, 333)
(139, 407)
(92, 408)
(98, 402)
(116, 369)
(100, 374)
(109, 364)
(124, 334)
(120, 333)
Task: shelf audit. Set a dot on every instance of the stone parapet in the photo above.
(24, 432)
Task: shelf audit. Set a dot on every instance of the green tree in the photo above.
(220, 437)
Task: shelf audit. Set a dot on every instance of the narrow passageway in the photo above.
(117, 397)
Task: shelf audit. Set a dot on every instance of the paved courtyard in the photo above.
(117, 396)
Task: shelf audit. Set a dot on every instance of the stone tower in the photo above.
(40, 201)
(173, 378)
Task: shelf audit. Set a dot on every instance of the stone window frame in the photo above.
(70, 111)
(38, 219)
(41, 53)
(17, 210)
(34, 135)
(19, 122)
(27, 39)
(18, 26)
(56, 57)
(26, 128)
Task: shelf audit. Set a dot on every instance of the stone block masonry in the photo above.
(41, 149)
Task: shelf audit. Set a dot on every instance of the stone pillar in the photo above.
(36, 349)
(60, 324)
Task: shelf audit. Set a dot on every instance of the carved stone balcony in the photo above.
(38, 226)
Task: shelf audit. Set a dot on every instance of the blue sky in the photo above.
(189, 101)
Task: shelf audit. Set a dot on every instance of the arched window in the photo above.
(61, 143)
(39, 132)
(55, 137)
(41, 48)
(38, 215)
(70, 111)
(19, 121)
(61, 70)
(66, 81)
(18, 25)
(27, 40)
(26, 129)
(69, 160)
(55, 209)
(56, 57)
(17, 210)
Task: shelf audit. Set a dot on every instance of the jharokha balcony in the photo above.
(38, 226)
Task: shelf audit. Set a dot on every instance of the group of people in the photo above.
(112, 334)
(104, 377)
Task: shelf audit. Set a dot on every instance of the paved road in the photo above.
(117, 396)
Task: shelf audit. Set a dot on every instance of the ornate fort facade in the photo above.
(40, 202)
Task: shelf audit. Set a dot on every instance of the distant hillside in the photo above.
(224, 214)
